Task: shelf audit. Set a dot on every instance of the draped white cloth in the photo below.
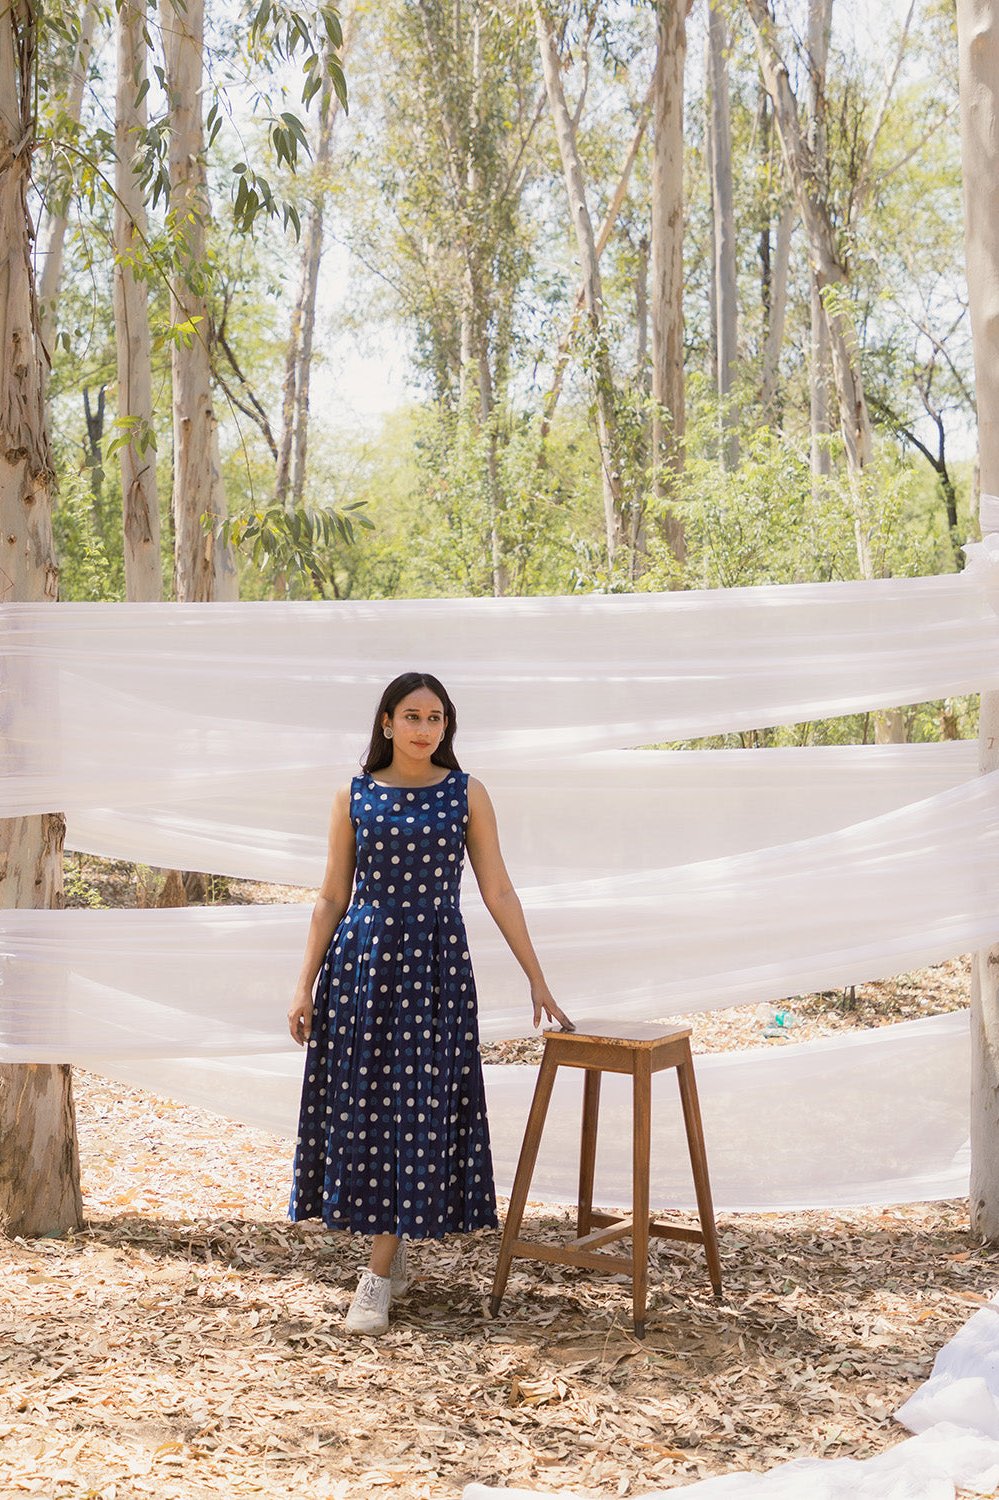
(877, 1116)
(211, 736)
(954, 1414)
(907, 888)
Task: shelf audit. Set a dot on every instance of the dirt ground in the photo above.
(188, 1343)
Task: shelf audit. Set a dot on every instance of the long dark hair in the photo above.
(379, 752)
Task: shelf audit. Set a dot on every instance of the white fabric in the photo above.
(875, 1116)
(955, 1416)
(212, 735)
(121, 705)
(908, 888)
(569, 817)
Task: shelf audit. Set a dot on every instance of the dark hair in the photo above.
(379, 752)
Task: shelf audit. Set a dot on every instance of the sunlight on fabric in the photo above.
(873, 1117)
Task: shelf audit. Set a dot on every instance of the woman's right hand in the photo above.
(300, 1017)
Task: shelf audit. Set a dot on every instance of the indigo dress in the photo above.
(393, 1136)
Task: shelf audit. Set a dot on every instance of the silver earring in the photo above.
(387, 733)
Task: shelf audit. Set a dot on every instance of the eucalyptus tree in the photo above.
(828, 254)
(820, 13)
(39, 1160)
(137, 437)
(579, 213)
(204, 564)
(978, 36)
(723, 227)
(668, 391)
(67, 100)
(293, 448)
(451, 152)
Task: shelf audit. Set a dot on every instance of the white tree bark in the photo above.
(667, 255)
(723, 230)
(54, 231)
(140, 504)
(474, 340)
(610, 219)
(590, 269)
(293, 447)
(774, 341)
(203, 569)
(828, 273)
(978, 48)
(39, 1159)
(819, 33)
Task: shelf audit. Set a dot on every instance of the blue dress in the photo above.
(392, 1134)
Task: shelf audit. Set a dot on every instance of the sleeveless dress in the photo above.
(393, 1136)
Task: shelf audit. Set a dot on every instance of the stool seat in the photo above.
(640, 1049)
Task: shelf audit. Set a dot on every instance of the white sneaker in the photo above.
(400, 1271)
(369, 1311)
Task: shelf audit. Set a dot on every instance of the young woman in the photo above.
(393, 1137)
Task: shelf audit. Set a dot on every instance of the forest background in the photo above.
(677, 290)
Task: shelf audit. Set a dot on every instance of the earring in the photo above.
(387, 733)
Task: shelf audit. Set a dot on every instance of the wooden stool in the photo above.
(612, 1047)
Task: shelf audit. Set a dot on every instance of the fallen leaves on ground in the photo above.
(188, 1342)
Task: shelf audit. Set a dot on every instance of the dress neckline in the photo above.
(389, 787)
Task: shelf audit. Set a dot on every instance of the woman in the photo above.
(393, 1136)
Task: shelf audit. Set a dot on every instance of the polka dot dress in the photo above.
(393, 1136)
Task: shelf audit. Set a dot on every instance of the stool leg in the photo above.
(699, 1164)
(523, 1175)
(588, 1149)
(641, 1137)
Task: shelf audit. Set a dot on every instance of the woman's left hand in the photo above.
(543, 1000)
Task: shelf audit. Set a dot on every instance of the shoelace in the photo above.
(368, 1292)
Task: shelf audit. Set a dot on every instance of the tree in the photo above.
(298, 361)
(204, 562)
(667, 256)
(39, 1159)
(137, 438)
(819, 34)
(723, 228)
(603, 377)
(978, 43)
(54, 232)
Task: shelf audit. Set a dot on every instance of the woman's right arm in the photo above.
(332, 902)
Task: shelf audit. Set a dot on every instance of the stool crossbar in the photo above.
(612, 1047)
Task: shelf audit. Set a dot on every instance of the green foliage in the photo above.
(90, 564)
(292, 539)
(78, 891)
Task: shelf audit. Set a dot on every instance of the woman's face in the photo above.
(418, 723)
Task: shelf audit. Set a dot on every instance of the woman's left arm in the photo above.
(502, 901)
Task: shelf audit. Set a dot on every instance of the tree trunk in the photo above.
(204, 569)
(39, 1158)
(855, 422)
(474, 321)
(819, 32)
(140, 503)
(667, 257)
(610, 219)
(293, 450)
(978, 49)
(642, 315)
(723, 226)
(55, 231)
(776, 313)
(590, 269)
